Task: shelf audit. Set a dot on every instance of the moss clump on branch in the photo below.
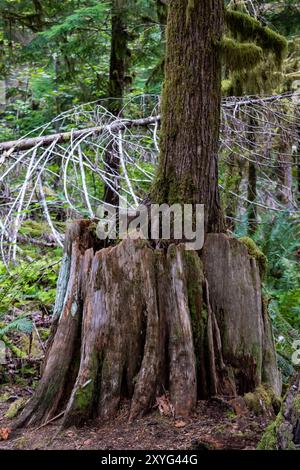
(257, 254)
(238, 56)
(248, 28)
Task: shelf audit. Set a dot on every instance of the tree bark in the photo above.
(132, 321)
(191, 103)
(284, 432)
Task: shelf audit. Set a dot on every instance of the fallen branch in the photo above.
(45, 141)
(122, 124)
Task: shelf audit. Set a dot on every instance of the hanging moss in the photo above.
(238, 5)
(248, 28)
(227, 87)
(239, 56)
(171, 191)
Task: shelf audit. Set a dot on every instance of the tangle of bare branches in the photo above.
(57, 175)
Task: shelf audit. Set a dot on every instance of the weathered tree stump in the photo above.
(133, 321)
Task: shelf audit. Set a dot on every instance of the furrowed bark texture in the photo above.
(191, 103)
(136, 321)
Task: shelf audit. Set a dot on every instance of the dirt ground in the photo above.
(214, 425)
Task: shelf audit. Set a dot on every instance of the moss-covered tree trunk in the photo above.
(134, 321)
(188, 170)
(116, 88)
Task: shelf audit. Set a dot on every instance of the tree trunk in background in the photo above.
(252, 180)
(39, 20)
(162, 13)
(116, 88)
(252, 195)
(190, 112)
(284, 189)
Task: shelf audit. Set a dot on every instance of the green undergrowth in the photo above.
(275, 245)
(26, 290)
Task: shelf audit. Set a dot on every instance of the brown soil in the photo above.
(213, 425)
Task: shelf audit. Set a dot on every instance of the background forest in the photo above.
(76, 64)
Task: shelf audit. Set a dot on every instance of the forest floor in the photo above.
(214, 425)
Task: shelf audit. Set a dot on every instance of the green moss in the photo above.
(13, 348)
(248, 28)
(226, 87)
(44, 333)
(238, 56)
(269, 439)
(15, 408)
(296, 405)
(256, 253)
(34, 228)
(230, 414)
(168, 189)
(84, 397)
(262, 401)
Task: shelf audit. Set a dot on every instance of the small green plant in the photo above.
(26, 288)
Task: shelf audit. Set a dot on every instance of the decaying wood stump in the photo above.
(132, 321)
